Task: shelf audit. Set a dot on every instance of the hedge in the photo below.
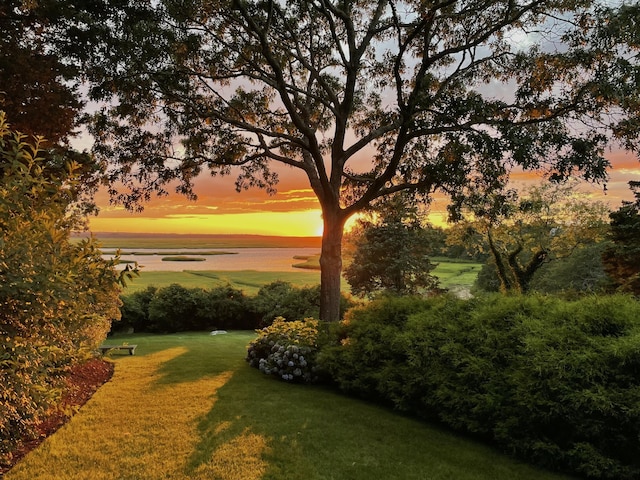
(551, 381)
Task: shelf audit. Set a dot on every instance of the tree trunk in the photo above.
(501, 270)
(331, 267)
(525, 275)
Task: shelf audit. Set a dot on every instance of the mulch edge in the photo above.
(81, 383)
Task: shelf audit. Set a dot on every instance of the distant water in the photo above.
(260, 259)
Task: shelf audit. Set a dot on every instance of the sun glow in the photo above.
(306, 223)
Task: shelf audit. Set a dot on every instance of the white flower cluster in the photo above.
(289, 362)
(286, 349)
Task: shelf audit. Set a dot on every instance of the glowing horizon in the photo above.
(287, 224)
(294, 211)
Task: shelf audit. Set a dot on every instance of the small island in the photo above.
(183, 258)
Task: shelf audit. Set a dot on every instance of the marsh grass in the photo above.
(249, 281)
(452, 274)
(309, 262)
(115, 240)
(189, 407)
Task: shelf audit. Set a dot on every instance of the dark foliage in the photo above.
(391, 257)
(282, 299)
(36, 90)
(580, 273)
(555, 382)
(175, 308)
(622, 259)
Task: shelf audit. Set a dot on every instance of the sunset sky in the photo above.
(293, 211)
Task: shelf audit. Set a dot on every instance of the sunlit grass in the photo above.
(308, 262)
(456, 273)
(189, 407)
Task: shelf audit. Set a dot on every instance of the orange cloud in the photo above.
(294, 209)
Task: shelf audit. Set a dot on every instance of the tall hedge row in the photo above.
(175, 308)
(555, 382)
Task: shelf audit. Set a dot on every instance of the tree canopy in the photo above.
(365, 98)
(37, 88)
(391, 252)
(523, 232)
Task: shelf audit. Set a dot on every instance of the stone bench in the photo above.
(107, 348)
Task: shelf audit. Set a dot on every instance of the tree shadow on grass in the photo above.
(277, 430)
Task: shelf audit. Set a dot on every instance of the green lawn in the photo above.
(187, 406)
(456, 274)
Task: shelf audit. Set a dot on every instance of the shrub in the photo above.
(282, 299)
(135, 310)
(176, 308)
(287, 350)
(553, 381)
(57, 298)
(487, 280)
(226, 308)
(366, 359)
(580, 272)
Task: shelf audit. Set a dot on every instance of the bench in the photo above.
(107, 348)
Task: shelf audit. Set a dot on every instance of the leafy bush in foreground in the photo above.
(286, 349)
(553, 381)
(57, 298)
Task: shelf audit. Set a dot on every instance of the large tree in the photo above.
(366, 98)
(522, 232)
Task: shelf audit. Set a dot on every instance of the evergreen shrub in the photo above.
(556, 382)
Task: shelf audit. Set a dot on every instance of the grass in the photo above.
(182, 258)
(309, 262)
(187, 406)
(249, 281)
(455, 275)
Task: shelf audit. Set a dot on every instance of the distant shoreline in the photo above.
(186, 240)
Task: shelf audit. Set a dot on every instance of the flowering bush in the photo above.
(286, 349)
